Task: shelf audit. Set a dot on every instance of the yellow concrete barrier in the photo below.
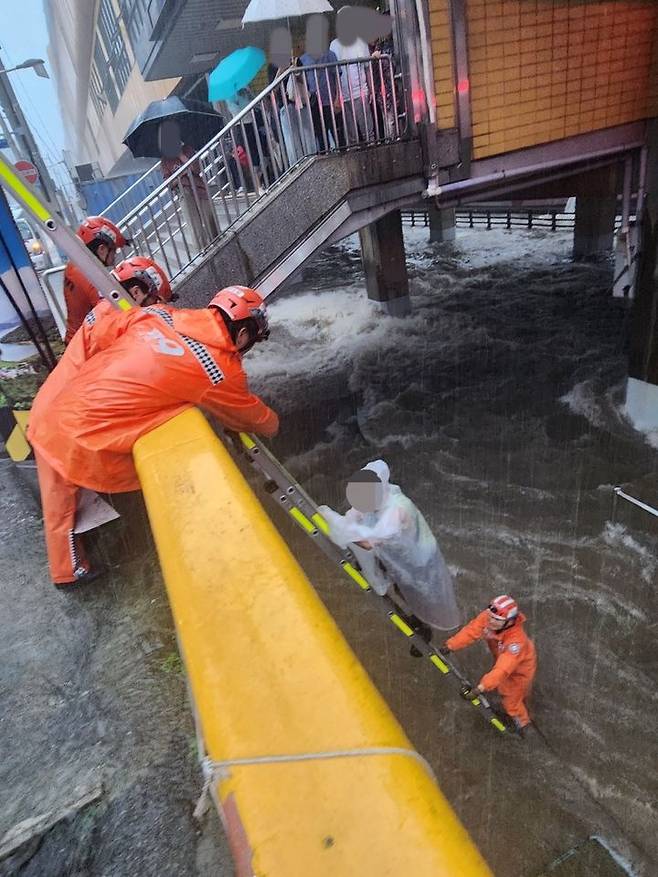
(272, 676)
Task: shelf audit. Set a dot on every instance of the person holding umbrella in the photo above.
(190, 187)
(229, 82)
(295, 101)
(173, 129)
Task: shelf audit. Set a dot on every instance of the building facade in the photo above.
(99, 83)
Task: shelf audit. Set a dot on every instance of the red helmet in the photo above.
(243, 303)
(504, 608)
(148, 273)
(97, 228)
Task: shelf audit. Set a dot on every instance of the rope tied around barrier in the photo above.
(215, 771)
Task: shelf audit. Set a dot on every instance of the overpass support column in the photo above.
(442, 225)
(596, 208)
(642, 386)
(385, 266)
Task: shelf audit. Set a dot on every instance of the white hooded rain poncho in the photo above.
(403, 542)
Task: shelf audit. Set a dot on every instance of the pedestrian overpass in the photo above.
(486, 100)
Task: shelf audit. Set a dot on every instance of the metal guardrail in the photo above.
(133, 194)
(55, 297)
(537, 218)
(305, 111)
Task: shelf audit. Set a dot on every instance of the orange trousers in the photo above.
(513, 692)
(66, 556)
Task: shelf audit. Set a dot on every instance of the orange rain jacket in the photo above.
(80, 296)
(99, 329)
(512, 649)
(149, 365)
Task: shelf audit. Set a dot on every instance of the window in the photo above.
(97, 91)
(136, 19)
(110, 34)
(108, 91)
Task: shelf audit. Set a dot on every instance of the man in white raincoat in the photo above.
(387, 523)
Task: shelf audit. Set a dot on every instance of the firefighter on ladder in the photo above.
(515, 660)
(148, 365)
(103, 238)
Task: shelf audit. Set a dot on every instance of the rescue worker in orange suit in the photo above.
(155, 363)
(146, 283)
(103, 238)
(515, 660)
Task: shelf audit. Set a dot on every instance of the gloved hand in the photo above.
(444, 650)
(470, 693)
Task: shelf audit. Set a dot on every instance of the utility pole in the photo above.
(9, 137)
(18, 122)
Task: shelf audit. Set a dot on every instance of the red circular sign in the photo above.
(28, 171)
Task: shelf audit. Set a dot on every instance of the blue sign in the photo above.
(3, 143)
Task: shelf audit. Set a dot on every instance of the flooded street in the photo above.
(497, 405)
(498, 408)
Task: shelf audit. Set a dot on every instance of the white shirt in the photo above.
(358, 81)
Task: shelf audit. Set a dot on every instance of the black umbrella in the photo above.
(197, 120)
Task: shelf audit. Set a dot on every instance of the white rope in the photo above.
(214, 771)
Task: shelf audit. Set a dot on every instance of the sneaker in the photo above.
(85, 579)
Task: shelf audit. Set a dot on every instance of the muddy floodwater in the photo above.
(498, 406)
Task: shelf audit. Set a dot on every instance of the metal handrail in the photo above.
(279, 129)
(188, 91)
(132, 186)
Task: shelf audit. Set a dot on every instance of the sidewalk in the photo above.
(92, 694)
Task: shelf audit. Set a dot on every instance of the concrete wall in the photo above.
(91, 138)
(262, 237)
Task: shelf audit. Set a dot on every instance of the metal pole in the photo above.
(12, 107)
(171, 234)
(320, 109)
(637, 502)
(626, 198)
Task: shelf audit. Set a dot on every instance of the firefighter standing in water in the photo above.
(515, 661)
(154, 364)
(103, 238)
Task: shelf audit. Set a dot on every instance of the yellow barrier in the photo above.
(271, 675)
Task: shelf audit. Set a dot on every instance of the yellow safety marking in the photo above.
(401, 625)
(302, 520)
(19, 189)
(249, 443)
(17, 445)
(320, 523)
(356, 575)
(499, 725)
(124, 305)
(443, 667)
